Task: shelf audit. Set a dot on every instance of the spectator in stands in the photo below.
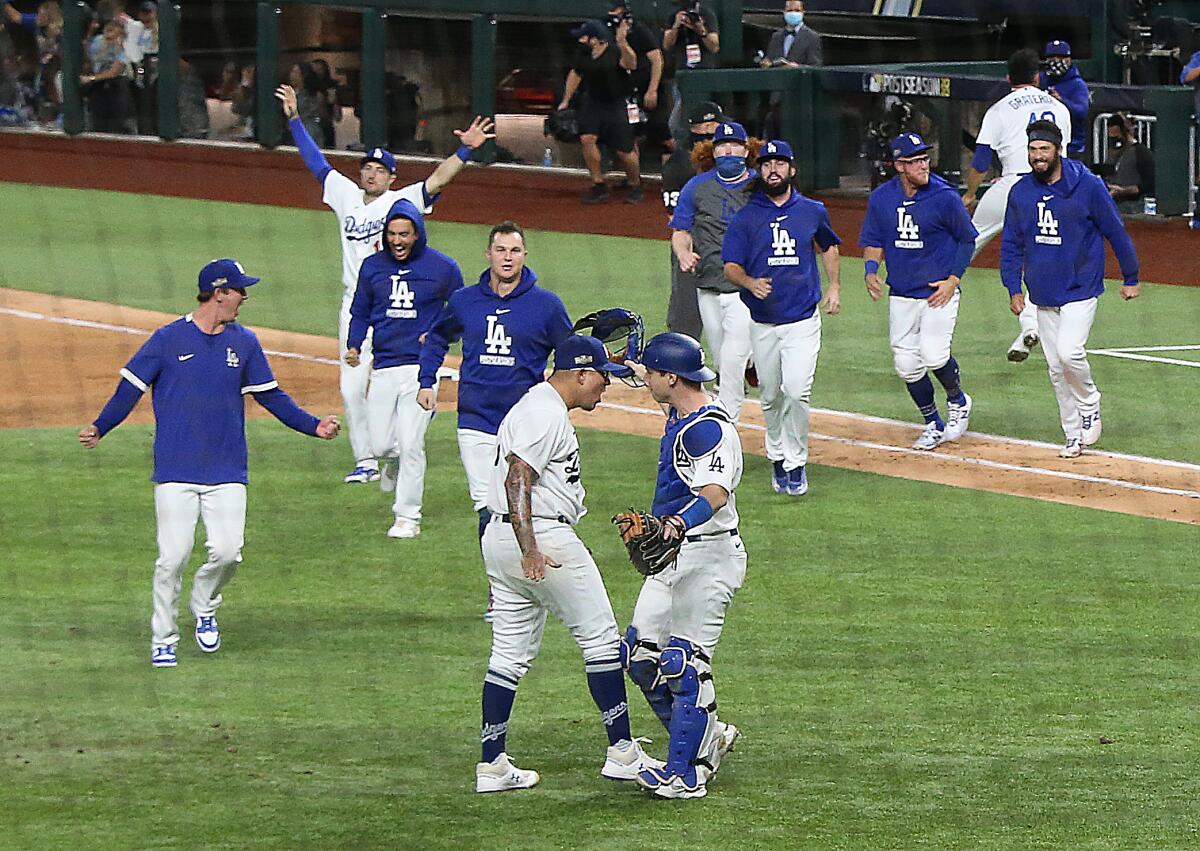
(46, 26)
(327, 102)
(141, 49)
(1061, 79)
(1190, 76)
(303, 79)
(795, 44)
(243, 99)
(690, 40)
(1132, 178)
(227, 87)
(602, 73)
(109, 101)
(193, 108)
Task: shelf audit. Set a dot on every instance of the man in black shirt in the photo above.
(690, 40)
(683, 309)
(607, 111)
(646, 48)
(1133, 177)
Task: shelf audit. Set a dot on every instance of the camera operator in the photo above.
(692, 41)
(648, 75)
(1062, 80)
(603, 72)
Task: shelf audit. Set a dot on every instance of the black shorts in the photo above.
(609, 123)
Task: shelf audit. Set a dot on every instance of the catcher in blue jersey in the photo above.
(690, 549)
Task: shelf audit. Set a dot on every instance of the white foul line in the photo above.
(940, 456)
(1125, 355)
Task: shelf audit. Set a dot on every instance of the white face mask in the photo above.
(793, 19)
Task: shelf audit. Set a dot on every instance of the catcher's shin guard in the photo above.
(640, 658)
(688, 672)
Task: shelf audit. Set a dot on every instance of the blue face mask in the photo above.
(793, 19)
(730, 166)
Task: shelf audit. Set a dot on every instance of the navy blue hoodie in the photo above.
(401, 300)
(1073, 92)
(1053, 237)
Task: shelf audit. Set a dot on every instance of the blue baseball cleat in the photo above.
(208, 637)
(779, 478)
(797, 481)
(163, 656)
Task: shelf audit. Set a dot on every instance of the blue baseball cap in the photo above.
(1058, 47)
(583, 351)
(379, 155)
(776, 149)
(599, 29)
(227, 273)
(907, 145)
(729, 131)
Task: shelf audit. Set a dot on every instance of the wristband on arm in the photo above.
(698, 511)
(871, 267)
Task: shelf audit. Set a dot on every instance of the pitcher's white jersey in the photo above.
(538, 430)
(360, 224)
(1003, 128)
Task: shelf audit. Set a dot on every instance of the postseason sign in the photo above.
(907, 84)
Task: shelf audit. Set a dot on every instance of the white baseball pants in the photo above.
(353, 381)
(689, 600)
(176, 508)
(477, 449)
(1064, 332)
(726, 321)
(574, 592)
(989, 220)
(786, 359)
(397, 425)
(920, 335)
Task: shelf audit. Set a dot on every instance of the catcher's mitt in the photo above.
(645, 538)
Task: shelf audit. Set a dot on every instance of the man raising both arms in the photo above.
(361, 209)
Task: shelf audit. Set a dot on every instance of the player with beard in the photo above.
(1055, 224)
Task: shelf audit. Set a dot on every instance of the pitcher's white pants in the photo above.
(176, 508)
(477, 449)
(689, 600)
(726, 322)
(574, 592)
(920, 335)
(786, 359)
(353, 382)
(1064, 332)
(988, 221)
(397, 426)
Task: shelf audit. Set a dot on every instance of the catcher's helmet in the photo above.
(679, 354)
(611, 325)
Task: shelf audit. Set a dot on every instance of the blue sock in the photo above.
(485, 517)
(498, 694)
(606, 681)
(922, 393)
(947, 375)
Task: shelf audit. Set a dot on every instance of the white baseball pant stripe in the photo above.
(989, 220)
(1064, 331)
(786, 359)
(573, 592)
(477, 449)
(353, 381)
(397, 425)
(920, 335)
(177, 506)
(689, 600)
(726, 321)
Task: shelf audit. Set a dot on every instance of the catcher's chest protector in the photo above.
(673, 489)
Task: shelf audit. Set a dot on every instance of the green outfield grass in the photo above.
(899, 684)
(145, 251)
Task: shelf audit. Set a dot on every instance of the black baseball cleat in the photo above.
(595, 195)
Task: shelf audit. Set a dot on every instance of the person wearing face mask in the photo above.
(1062, 80)
(794, 44)
(683, 310)
(706, 205)
(1132, 166)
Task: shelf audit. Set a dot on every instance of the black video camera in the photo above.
(691, 11)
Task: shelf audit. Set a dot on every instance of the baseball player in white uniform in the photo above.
(201, 366)
(361, 209)
(536, 563)
(680, 612)
(1003, 134)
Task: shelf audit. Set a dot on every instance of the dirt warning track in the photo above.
(62, 357)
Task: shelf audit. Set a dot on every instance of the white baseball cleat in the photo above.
(1091, 428)
(931, 438)
(500, 775)
(208, 637)
(624, 760)
(163, 656)
(388, 471)
(664, 784)
(361, 476)
(957, 419)
(403, 528)
(1072, 449)
(1021, 346)
(724, 736)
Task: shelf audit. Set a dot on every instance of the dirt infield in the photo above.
(537, 198)
(63, 356)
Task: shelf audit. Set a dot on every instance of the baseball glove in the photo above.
(652, 542)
